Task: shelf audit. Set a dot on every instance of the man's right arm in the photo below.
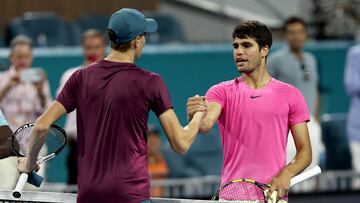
(180, 138)
(38, 135)
(213, 112)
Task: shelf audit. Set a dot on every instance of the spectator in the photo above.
(93, 43)
(156, 163)
(294, 66)
(22, 102)
(338, 19)
(352, 85)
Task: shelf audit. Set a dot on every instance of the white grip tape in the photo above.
(305, 175)
(21, 183)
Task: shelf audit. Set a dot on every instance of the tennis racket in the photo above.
(55, 142)
(246, 190)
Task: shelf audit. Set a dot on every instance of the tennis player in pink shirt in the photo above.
(254, 113)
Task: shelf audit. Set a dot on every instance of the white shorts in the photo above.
(10, 175)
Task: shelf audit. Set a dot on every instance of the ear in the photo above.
(137, 42)
(264, 51)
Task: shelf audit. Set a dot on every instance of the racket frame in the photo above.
(314, 171)
(262, 186)
(45, 158)
(24, 176)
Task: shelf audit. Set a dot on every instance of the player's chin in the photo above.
(243, 69)
(240, 68)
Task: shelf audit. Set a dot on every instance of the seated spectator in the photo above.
(156, 163)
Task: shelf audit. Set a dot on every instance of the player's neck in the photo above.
(258, 78)
(123, 57)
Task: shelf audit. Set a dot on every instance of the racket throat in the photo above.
(46, 158)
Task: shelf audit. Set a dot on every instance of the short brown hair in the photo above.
(122, 47)
(255, 30)
(20, 40)
(93, 33)
(293, 20)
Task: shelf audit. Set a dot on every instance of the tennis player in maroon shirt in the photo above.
(113, 98)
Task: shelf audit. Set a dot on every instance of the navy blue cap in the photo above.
(129, 23)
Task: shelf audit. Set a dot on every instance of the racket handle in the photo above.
(35, 179)
(20, 185)
(305, 175)
(273, 197)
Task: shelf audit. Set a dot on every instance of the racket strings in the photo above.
(22, 142)
(242, 191)
(54, 141)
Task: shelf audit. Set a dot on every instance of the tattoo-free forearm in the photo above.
(37, 139)
(212, 116)
(205, 126)
(186, 137)
(302, 160)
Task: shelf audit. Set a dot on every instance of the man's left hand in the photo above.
(281, 184)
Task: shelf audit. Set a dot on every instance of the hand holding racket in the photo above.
(279, 184)
(246, 190)
(54, 143)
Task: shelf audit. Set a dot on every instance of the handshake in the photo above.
(196, 104)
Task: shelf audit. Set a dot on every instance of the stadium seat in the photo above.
(338, 155)
(86, 22)
(170, 30)
(13, 29)
(98, 22)
(44, 28)
(74, 33)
